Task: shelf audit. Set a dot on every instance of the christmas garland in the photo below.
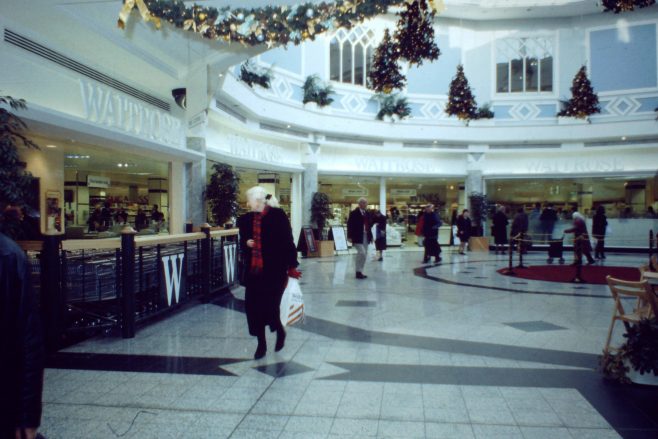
(251, 75)
(271, 25)
(392, 105)
(315, 91)
(618, 6)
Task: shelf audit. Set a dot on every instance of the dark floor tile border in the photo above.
(630, 409)
(339, 331)
(141, 363)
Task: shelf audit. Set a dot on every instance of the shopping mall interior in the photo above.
(136, 284)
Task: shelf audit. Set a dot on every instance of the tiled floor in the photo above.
(449, 351)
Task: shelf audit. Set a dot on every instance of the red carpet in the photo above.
(593, 274)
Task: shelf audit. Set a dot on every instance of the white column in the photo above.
(296, 201)
(176, 194)
(382, 195)
(309, 180)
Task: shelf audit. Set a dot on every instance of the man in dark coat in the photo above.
(581, 244)
(360, 233)
(431, 224)
(499, 229)
(520, 229)
(269, 257)
(547, 219)
(21, 346)
(463, 230)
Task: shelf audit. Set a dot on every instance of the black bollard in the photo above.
(652, 242)
(522, 235)
(206, 259)
(510, 268)
(53, 301)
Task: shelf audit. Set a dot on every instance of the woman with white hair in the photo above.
(269, 257)
(581, 244)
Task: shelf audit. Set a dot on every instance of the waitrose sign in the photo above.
(118, 111)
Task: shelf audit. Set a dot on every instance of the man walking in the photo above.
(358, 231)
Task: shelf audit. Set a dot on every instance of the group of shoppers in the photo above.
(547, 219)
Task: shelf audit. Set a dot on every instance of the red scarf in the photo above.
(257, 249)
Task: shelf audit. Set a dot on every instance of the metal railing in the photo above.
(118, 283)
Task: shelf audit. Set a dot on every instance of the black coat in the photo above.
(263, 291)
(463, 228)
(355, 227)
(599, 224)
(21, 343)
(499, 227)
(520, 224)
(431, 224)
(380, 230)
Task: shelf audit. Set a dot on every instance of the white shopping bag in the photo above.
(455, 236)
(292, 303)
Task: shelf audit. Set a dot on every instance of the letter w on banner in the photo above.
(173, 276)
(230, 262)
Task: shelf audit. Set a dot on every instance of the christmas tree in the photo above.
(385, 74)
(461, 102)
(584, 101)
(415, 33)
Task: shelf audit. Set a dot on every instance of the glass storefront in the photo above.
(405, 198)
(630, 204)
(105, 190)
(276, 183)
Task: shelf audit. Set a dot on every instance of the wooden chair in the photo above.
(645, 307)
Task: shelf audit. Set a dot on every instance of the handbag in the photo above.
(291, 309)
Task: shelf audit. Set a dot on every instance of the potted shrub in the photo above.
(478, 210)
(15, 182)
(320, 213)
(636, 360)
(222, 194)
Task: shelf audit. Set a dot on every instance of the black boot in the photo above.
(262, 346)
(280, 338)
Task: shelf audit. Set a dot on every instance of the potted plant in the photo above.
(222, 194)
(15, 182)
(317, 93)
(320, 213)
(478, 210)
(636, 360)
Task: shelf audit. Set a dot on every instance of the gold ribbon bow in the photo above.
(129, 5)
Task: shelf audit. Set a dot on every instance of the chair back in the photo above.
(641, 290)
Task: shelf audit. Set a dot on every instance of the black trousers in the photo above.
(600, 247)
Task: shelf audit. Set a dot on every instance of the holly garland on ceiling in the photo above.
(271, 25)
(618, 6)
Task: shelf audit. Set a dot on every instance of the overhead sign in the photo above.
(116, 110)
(355, 192)
(98, 181)
(403, 192)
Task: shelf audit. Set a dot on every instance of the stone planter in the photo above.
(571, 121)
(325, 249)
(478, 244)
(482, 123)
(647, 379)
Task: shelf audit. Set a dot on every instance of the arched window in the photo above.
(524, 65)
(350, 55)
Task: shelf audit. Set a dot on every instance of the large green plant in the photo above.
(640, 350)
(321, 210)
(222, 193)
(15, 182)
(478, 210)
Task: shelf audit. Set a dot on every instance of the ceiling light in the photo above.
(435, 142)
(51, 146)
(120, 165)
(623, 138)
